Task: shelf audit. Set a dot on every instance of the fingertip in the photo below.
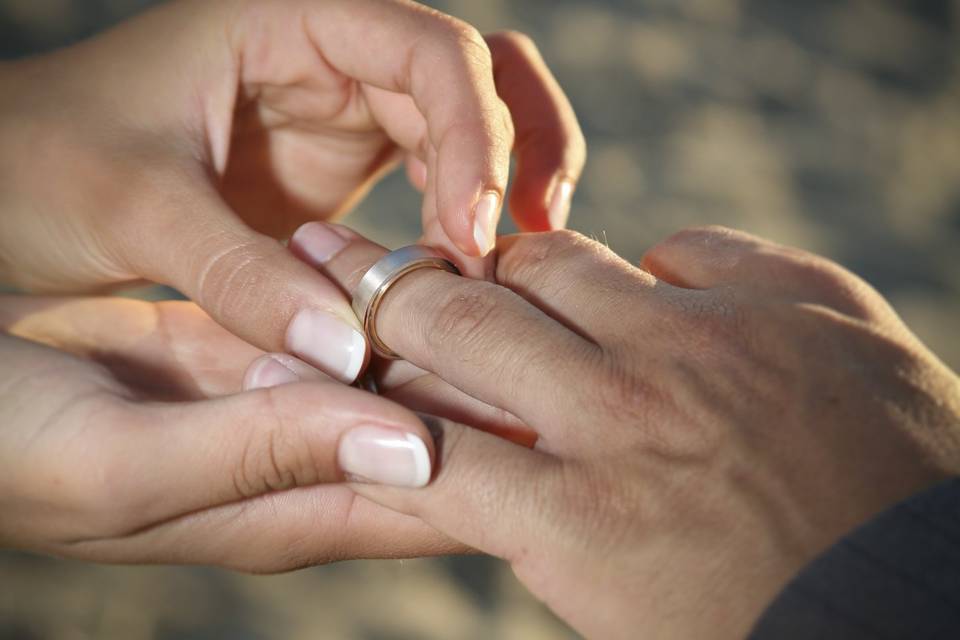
(558, 212)
(373, 454)
(486, 215)
(543, 204)
(316, 243)
(328, 342)
(473, 235)
(267, 372)
(416, 172)
(472, 172)
(276, 369)
(423, 465)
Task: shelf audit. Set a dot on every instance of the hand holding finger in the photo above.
(460, 329)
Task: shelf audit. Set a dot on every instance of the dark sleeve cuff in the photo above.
(897, 576)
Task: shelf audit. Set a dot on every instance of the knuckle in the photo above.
(833, 285)
(531, 264)
(623, 394)
(848, 292)
(463, 316)
(703, 235)
(463, 38)
(824, 274)
(510, 45)
(273, 456)
(517, 41)
(226, 280)
(471, 42)
(530, 256)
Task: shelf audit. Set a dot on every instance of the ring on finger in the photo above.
(379, 278)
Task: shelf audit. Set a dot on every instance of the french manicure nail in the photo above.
(559, 210)
(268, 372)
(379, 455)
(328, 343)
(318, 242)
(485, 222)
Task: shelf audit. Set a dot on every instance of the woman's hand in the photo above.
(177, 146)
(120, 443)
(706, 426)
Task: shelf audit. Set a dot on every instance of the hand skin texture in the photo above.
(124, 440)
(707, 423)
(180, 145)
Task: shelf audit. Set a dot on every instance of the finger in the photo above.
(163, 460)
(403, 120)
(445, 66)
(422, 392)
(247, 282)
(416, 172)
(479, 337)
(577, 281)
(489, 493)
(714, 257)
(275, 369)
(415, 389)
(277, 532)
(430, 394)
(172, 343)
(550, 147)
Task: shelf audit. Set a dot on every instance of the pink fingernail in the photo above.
(380, 455)
(268, 372)
(328, 343)
(559, 211)
(317, 242)
(485, 222)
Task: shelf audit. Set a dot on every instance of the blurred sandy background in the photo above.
(834, 126)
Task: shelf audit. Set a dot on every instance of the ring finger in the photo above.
(481, 338)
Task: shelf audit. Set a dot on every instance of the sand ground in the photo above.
(831, 126)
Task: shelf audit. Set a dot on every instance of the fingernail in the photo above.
(559, 211)
(378, 455)
(318, 242)
(268, 372)
(327, 343)
(485, 222)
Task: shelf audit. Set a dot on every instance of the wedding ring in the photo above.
(384, 274)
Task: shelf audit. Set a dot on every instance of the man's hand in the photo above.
(176, 147)
(706, 426)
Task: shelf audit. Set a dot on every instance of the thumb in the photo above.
(251, 284)
(185, 457)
